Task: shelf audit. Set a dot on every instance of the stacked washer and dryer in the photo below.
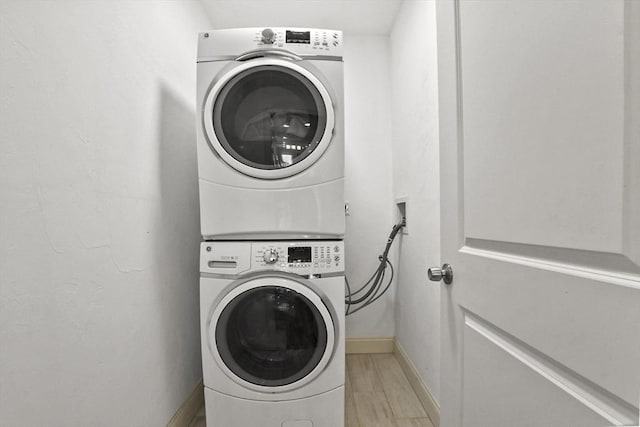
(271, 175)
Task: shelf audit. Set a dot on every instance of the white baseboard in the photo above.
(419, 387)
(369, 345)
(189, 408)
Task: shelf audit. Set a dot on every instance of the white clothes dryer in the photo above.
(270, 134)
(273, 341)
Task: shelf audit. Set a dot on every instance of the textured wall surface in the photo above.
(98, 212)
(416, 177)
(368, 175)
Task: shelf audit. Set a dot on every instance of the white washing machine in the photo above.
(270, 134)
(273, 333)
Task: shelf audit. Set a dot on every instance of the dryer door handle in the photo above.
(261, 53)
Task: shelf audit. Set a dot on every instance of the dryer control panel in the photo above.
(304, 42)
(305, 258)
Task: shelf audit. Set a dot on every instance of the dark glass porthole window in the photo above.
(271, 336)
(269, 117)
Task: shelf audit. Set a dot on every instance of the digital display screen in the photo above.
(298, 37)
(300, 254)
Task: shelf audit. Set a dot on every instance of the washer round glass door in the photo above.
(269, 118)
(272, 333)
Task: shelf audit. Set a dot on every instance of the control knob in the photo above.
(268, 36)
(270, 256)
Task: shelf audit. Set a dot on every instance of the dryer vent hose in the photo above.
(375, 287)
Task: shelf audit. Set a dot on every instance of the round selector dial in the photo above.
(270, 256)
(268, 36)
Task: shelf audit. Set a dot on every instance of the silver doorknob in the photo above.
(445, 273)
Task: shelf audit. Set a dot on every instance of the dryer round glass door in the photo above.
(273, 336)
(269, 118)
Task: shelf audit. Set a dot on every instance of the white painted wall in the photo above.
(368, 175)
(416, 176)
(98, 212)
(353, 16)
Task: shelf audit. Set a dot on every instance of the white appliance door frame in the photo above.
(278, 173)
(297, 285)
(541, 325)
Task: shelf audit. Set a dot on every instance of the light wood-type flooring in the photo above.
(378, 394)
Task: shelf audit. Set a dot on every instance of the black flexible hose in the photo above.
(379, 274)
(374, 283)
(374, 297)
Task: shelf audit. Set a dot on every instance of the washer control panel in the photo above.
(308, 257)
(300, 257)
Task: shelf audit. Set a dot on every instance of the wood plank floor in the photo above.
(377, 394)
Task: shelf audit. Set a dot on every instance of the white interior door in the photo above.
(540, 146)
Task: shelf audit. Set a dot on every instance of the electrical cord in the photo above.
(371, 290)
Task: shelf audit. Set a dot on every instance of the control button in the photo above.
(336, 258)
(336, 248)
(268, 36)
(270, 256)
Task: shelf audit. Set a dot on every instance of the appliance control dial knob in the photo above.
(268, 36)
(270, 256)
